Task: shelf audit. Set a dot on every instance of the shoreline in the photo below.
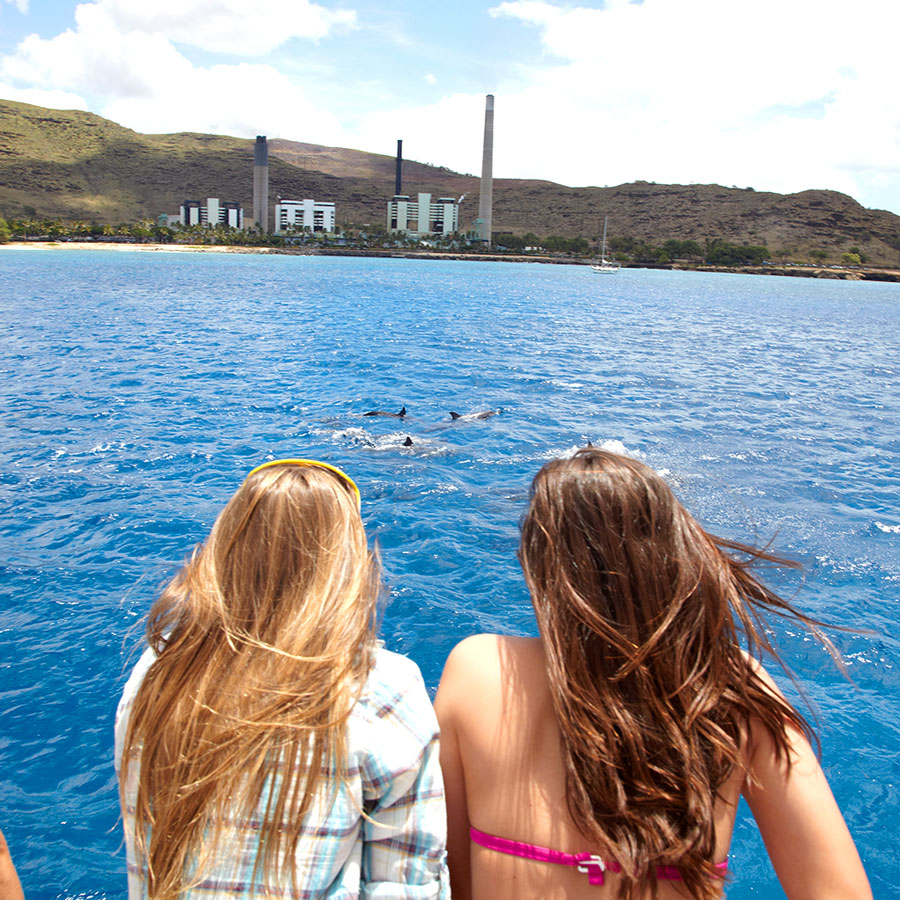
(127, 246)
(836, 273)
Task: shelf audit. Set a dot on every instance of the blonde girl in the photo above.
(266, 745)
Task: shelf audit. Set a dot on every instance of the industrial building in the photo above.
(304, 215)
(420, 216)
(423, 215)
(215, 212)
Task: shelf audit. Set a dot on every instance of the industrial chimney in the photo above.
(261, 183)
(486, 201)
(398, 179)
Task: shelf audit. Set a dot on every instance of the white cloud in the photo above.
(140, 79)
(242, 100)
(775, 95)
(119, 47)
(240, 27)
(37, 97)
(429, 78)
(21, 5)
(96, 58)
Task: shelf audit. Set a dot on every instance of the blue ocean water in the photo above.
(139, 388)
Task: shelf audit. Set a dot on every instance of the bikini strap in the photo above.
(589, 863)
(592, 865)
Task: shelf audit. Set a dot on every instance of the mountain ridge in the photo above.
(76, 165)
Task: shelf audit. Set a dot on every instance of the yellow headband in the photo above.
(312, 462)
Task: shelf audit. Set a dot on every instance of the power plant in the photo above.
(421, 215)
(424, 216)
(261, 183)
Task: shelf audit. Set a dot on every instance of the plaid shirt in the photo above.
(394, 777)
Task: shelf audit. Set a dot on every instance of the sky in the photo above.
(777, 95)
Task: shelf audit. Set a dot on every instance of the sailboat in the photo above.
(605, 267)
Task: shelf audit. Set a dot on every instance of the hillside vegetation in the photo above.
(78, 166)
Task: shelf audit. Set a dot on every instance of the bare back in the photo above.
(505, 775)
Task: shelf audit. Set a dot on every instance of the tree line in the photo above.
(624, 249)
(715, 251)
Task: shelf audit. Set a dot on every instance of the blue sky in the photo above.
(779, 95)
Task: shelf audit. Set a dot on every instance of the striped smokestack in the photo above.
(398, 179)
(261, 183)
(486, 201)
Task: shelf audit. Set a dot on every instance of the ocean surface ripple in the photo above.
(139, 389)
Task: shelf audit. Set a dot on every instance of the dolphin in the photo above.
(469, 417)
(390, 415)
(408, 442)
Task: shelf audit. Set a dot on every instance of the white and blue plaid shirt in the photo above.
(394, 777)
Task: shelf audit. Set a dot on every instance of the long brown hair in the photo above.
(642, 615)
(264, 640)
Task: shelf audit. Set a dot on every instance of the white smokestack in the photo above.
(486, 201)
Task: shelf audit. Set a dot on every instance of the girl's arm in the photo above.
(10, 888)
(807, 839)
(405, 826)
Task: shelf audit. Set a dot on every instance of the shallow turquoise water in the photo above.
(139, 388)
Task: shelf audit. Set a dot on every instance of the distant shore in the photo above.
(110, 245)
(842, 273)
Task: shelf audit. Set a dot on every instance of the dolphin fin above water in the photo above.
(390, 415)
(408, 442)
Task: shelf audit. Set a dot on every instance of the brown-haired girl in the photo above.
(606, 758)
(267, 746)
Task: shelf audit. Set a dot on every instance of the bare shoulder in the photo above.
(482, 664)
(760, 744)
(481, 654)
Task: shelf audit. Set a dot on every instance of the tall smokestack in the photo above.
(486, 201)
(398, 179)
(261, 183)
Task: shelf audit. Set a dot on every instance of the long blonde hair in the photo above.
(264, 640)
(642, 615)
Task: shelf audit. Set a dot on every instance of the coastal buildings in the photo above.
(290, 215)
(420, 216)
(305, 215)
(423, 215)
(214, 212)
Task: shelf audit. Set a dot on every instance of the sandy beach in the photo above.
(110, 245)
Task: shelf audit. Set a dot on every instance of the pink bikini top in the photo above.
(589, 863)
